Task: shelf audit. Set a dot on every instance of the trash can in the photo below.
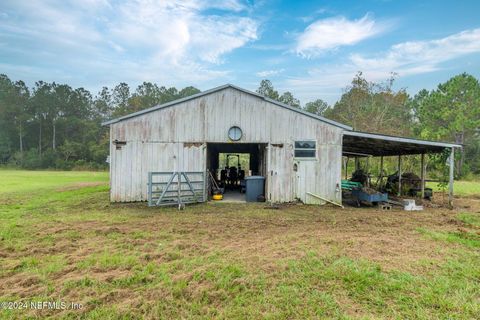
(254, 187)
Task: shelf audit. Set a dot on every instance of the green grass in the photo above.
(129, 261)
(470, 239)
(20, 181)
(460, 188)
(469, 219)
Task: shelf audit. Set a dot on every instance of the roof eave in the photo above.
(402, 139)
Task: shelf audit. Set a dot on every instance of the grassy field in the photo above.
(460, 188)
(61, 240)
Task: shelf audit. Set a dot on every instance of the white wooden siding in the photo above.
(155, 142)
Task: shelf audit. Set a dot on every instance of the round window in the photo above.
(235, 133)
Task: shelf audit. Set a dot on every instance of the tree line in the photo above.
(56, 126)
(450, 112)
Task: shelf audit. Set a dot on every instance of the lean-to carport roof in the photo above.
(363, 143)
(203, 93)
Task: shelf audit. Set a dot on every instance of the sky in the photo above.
(310, 48)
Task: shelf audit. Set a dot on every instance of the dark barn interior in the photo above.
(257, 159)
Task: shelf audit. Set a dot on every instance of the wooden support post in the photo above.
(367, 171)
(357, 163)
(422, 174)
(269, 176)
(380, 180)
(399, 176)
(381, 165)
(346, 168)
(451, 162)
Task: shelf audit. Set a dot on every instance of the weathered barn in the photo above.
(299, 153)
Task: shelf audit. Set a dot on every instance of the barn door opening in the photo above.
(230, 163)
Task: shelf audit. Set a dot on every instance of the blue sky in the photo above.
(311, 48)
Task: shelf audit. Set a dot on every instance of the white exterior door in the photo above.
(301, 180)
(279, 173)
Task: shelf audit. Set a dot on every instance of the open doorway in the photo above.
(231, 163)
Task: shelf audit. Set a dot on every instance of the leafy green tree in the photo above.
(188, 91)
(317, 107)
(146, 95)
(451, 112)
(14, 97)
(120, 97)
(266, 89)
(288, 98)
(373, 107)
(103, 104)
(40, 105)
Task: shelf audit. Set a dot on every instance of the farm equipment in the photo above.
(369, 196)
(349, 185)
(360, 176)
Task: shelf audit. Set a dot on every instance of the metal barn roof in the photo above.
(203, 93)
(354, 142)
(372, 144)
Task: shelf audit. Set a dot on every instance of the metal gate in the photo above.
(176, 188)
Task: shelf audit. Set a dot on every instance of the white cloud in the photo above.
(404, 59)
(416, 57)
(269, 73)
(326, 34)
(130, 40)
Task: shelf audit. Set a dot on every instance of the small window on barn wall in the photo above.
(305, 149)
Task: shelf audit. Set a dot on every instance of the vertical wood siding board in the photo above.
(206, 120)
(179, 149)
(144, 172)
(217, 104)
(249, 117)
(135, 166)
(203, 120)
(259, 132)
(134, 169)
(121, 154)
(119, 170)
(130, 165)
(139, 169)
(112, 166)
(290, 171)
(243, 119)
(150, 167)
(115, 164)
(254, 130)
(230, 100)
(141, 172)
(211, 119)
(220, 117)
(130, 158)
(127, 172)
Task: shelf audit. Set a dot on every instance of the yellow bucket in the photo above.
(217, 197)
